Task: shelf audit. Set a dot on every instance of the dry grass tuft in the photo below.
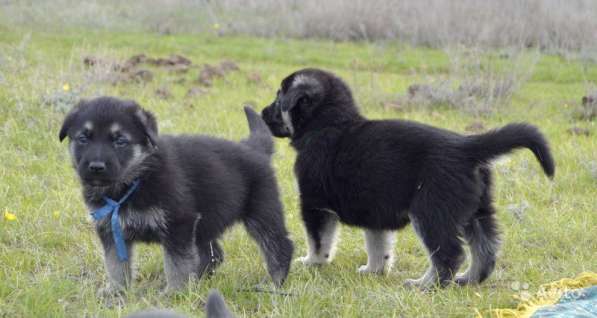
(477, 82)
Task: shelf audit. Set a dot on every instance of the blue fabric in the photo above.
(113, 207)
(580, 303)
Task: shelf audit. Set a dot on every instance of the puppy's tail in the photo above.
(216, 307)
(497, 142)
(260, 137)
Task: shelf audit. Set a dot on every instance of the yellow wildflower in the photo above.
(216, 26)
(9, 216)
(66, 87)
(56, 214)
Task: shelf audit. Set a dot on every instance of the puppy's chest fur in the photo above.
(148, 224)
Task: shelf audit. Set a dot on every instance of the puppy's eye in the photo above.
(303, 100)
(121, 141)
(82, 139)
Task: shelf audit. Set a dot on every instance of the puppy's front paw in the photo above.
(464, 279)
(310, 260)
(366, 269)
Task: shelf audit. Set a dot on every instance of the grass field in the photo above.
(51, 264)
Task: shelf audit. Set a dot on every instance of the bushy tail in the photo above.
(487, 146)
(260, 137)
(216, 307)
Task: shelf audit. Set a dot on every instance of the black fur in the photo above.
(191, 188)
(384, 174)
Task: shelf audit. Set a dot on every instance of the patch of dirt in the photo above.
(179, 68)
(135, 60)
(93, 61)
(130, 70)
(90, 61)
(579, 131)
(172, 60)
(228, 66)
(142, 76)
(137, 76)
(210, 72)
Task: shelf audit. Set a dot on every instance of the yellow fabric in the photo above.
(548, 294)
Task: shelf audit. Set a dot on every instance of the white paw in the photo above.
(310, 260)
(366, 269)
(463, 279)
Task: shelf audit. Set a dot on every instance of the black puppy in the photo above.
(383, 174)
(179, 191)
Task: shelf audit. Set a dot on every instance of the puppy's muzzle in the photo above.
(273, 118)
(97, 167)
(96, 173)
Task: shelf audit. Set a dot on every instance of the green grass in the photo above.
(50, 261)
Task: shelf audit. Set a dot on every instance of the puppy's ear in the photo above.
(295, 98)
(69, 120)
(148, 124)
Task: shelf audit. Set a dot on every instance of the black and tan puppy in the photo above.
(383, 174)
(179, 191)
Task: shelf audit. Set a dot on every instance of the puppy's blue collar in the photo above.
(112, 207)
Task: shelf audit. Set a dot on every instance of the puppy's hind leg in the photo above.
(322, 234)
(265, 223)
(483, 239)
(445, 255)
(380, 256)
(434, 223)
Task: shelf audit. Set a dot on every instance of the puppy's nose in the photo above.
(97, 166)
